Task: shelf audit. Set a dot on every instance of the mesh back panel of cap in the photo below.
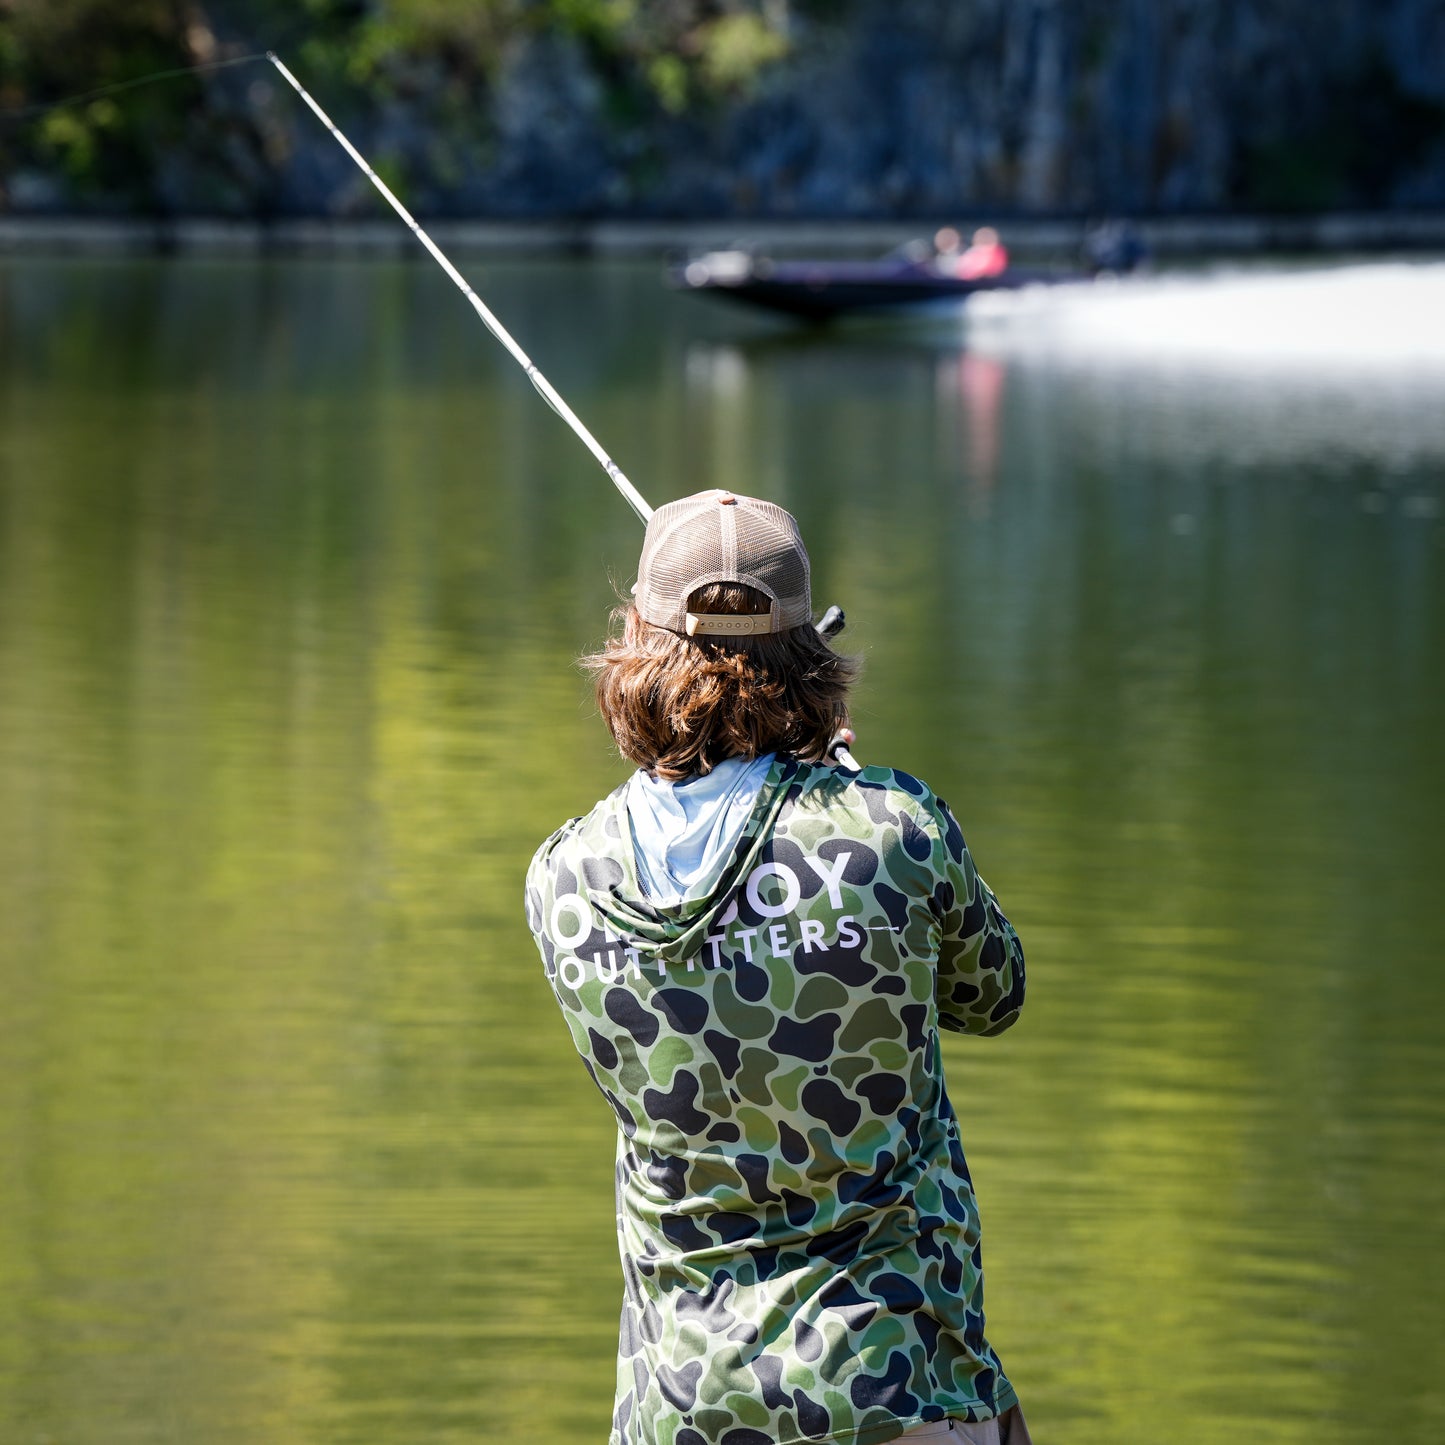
(692, 549)
(687, 547)
(770, 555)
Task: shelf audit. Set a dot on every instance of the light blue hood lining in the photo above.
(683, 833)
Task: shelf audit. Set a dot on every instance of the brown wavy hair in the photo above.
(678, 706)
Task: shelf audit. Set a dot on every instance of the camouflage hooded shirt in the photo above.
(798, 1230)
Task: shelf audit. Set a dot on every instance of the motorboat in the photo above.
(820, 291)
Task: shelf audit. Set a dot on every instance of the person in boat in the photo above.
(754, 950)
(947, 248)
(986, 257)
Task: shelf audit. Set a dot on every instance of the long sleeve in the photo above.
(980, 986)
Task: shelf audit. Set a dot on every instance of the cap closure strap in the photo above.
(728, 624)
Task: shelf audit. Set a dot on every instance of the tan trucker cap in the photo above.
(722, 537)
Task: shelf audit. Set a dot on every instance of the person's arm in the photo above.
(980, 983)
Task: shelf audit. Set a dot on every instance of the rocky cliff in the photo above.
(859, 108)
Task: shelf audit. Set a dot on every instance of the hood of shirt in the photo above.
(683, 832)
(685, 849)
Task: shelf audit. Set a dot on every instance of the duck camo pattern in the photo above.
(798, 1229)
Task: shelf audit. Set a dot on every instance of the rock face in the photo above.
(878, 108)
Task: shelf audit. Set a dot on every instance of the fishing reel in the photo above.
(830, 624)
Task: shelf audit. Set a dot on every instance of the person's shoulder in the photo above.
(883, 791)
(896, 780)
(886, 808)
(918, 802)
(906, 789)
(597, 830)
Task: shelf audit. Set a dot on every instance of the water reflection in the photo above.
(292, 570)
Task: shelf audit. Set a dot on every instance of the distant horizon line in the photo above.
(1172, 234)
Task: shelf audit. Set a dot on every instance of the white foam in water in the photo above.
(1387, 316)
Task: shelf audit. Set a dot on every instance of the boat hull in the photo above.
(821, 291)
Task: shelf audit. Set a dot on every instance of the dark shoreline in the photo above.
(1178, 236)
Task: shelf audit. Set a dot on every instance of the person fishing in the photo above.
(754, 949)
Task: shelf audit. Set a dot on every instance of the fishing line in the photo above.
(29, 111)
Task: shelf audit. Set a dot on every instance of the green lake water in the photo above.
(294, 567)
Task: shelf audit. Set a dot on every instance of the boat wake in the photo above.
(1378, 318)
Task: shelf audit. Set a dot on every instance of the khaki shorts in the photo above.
(1008, 1429)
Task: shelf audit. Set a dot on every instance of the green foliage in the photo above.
(51, 48)
(65, 135)
(735, 49)
(679, 51)
(667, 75)
(467, 34)
(655, 59)
(77, 135)
(604, 22)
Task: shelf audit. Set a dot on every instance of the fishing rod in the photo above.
(545, 389)
(831, 622)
